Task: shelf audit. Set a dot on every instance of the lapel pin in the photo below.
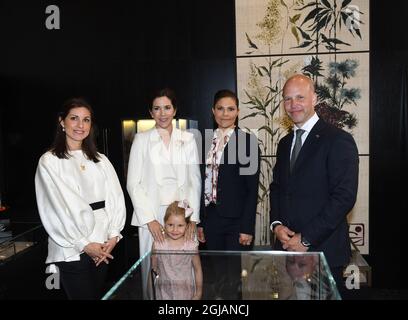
(317, 136)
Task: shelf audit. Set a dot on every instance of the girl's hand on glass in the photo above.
(196, 297)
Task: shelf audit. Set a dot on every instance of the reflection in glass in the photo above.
(246, 275)
(11, 247)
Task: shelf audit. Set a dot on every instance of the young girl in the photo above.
(175, 261)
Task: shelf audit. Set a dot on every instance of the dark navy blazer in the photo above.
(316, 197)
(237, 193)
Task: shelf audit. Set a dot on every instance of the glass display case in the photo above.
(5, 232)
(228, 275)
(11, 246)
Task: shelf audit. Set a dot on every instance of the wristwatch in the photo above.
(304, 242)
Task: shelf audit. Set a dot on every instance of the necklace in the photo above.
(79, 161)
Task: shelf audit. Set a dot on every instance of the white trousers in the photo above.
(145, 245)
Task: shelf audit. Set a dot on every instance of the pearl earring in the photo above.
(63, 129)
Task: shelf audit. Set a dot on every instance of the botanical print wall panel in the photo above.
(260, 81)
(344, 96)
(358, 218)
(324, 39)
(262, 235)
(301, 26)
(345, 102)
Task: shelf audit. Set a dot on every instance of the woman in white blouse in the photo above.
(163, 168)
(80, 202)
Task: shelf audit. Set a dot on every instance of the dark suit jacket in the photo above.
(237, 192)
(316, 197)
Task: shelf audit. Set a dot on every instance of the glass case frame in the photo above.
(261, 275)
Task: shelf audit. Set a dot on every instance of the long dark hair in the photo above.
(59, 147)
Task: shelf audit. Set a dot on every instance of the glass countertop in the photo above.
(227, 275)
(11, 245)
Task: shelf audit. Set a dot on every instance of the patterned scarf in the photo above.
(212, 165)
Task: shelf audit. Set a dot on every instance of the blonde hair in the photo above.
(174, 209)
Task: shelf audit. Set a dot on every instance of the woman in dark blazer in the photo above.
(230, 184)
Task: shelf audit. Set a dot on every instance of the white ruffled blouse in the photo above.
(64, 190)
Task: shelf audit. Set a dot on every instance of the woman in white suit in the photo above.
(163, 168)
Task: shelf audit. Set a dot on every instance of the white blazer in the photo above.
(145, 173)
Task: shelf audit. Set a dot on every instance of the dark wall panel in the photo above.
(388, 200)
(2, 156)
(113, 54)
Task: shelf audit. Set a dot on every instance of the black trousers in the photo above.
(83, 280)
(222, 234)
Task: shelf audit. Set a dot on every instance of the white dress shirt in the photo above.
(307, 126)
(148, 175)
(168, 188)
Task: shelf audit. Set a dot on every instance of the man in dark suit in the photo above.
(315, 181)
